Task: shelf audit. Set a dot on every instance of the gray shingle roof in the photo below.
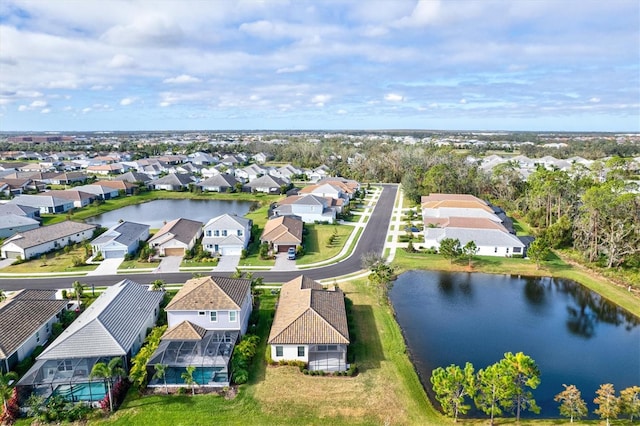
(17, 209)
(173, 179)
(125, 233)
(110, 326)
(179, 229)
(22, 315)
(266, 181)
(44, 234)
(222, 179)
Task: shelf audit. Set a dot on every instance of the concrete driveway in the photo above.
(169, 264)
(6, 262)
(283, 263)
(227, 263)
(107, 267)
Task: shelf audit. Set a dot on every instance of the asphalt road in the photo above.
(372, 239)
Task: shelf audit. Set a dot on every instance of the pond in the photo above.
(574, 335)
(156, 213)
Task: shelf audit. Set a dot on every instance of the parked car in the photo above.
(291, 253)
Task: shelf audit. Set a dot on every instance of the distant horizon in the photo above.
(465, 65)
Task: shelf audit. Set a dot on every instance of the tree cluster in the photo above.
(504, 385)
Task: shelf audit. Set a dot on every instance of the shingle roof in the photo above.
(227, 221)
(44, 234)
(185, 331)
(266, 181)
(466, 222)
(14, 220)
(173, 179)
(307, 314)
(124, 233)
(110, 326)
(17, 209)
(222, 179)
(180, 229)
(133, 177)
(23, 314)
(210, 293)
(283, 230)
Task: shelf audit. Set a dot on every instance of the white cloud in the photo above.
(38, 104)
(165, 104)
(182, 79)
(320, 100)
(594, 100)
(463, 101)
(45, 111)
(127, 101)
(393, 97)
(22, 108)
(424, 13)
(295, 68)
(86, 110)
(342, 111)
(122, 61)
(146, 30)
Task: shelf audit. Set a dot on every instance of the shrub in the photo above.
(181, 390)
(77, 261)
(12, 412)
(305, 371)
(64, 294)
(353, 370)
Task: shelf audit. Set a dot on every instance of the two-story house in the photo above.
(206, 318)
(227, 235)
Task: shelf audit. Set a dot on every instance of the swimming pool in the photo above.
(93, 391)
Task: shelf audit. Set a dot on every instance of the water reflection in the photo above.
(455, 318)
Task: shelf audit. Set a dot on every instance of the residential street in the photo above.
(372, 239)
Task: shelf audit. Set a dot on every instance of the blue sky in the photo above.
(565, 65)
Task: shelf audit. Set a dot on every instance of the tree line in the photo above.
(506, 385)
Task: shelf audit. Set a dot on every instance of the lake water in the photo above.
(574, 335)
(156, 213)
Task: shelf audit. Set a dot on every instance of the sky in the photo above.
(537, 65)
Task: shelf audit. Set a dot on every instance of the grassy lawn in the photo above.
(52, 262)
(137, 264)
(193, 263)
(316, 242)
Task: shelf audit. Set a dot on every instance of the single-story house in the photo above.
(282, 233)
(115, 325)
(11, 224)
(219, 183)
(32, 243)
(101, 191)
(120, 185)
(79, 198)
(205, 318)
(106, 169)
(310, 325)
(26, 319)
(175, 237)
(45, 203)
(172, 182)
(267, 184)
(120, 240)
(134, 177)
(17, 209)
(227, 234)
(69, 178)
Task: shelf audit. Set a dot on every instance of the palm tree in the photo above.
(3, 295)
(161, 373)
(7, 382)
(157, 285)
(188, 378)
(108, 372)
(78, 288)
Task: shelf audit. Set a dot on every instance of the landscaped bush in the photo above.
(12, 412)
(138, 372)
(242, 356)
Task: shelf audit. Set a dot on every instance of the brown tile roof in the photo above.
(116, 184)
(182, 230)
(210, 293)
(457, 204)
(472, 222)
(308, 314)
(185, 331)
(22, 315)
(283, 230)
(71, 194)
(453, 197)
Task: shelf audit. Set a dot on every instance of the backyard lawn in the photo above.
(52, 262)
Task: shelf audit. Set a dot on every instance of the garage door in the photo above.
(283, 248)
(179, 251)
(112, 254)
(230, 251)
(12, 254)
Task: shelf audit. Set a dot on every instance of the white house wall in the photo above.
(44, 332)
(290, 353)
(46, 247)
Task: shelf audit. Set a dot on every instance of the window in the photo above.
(300, 350)
(47, 328)
(332, 347)
(208, 232)
(224, 232)
(322, 348)
(65, 365)
(233, 316)
(216, 233)
(239, 232)
(38, 336)
(495, 250)
(517, 249)
(279, 351)
(213, 316)
(201, 313)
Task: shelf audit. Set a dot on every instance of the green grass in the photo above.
(137, 264)
(192, 263)
(52, 262)
(316, 242)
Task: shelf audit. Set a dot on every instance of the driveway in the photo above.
(227, 263)
(107, 267)
(284, 264)
(169, 264)
(6, 262)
